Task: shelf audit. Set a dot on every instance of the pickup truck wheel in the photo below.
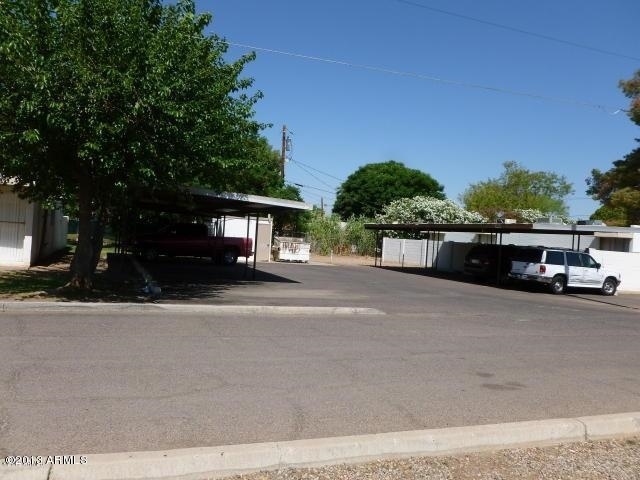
(609, 286)
(230, 256)
(557, 284)
(150, 254)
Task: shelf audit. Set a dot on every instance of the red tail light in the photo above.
(543, 269)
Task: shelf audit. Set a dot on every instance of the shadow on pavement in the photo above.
(630, 301)
(183, 279)
(433, 273)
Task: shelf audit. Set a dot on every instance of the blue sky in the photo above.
(342, 117)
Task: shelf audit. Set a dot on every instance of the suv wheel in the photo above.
(609, 286)
(557, 284)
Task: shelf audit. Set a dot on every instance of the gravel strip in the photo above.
(610, 459)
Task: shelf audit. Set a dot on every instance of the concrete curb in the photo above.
(53, 307)
(218, 462)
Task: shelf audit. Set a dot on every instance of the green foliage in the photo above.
(425, 210)
(103, 99)
(328, 234)
(263, 178)
(359, 240)
(631, 89)
(518, 188)
(372, 186)
(617, 188)
(613, 216)
(325, 233)
(294, 222)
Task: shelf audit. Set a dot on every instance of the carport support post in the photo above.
(246, 258)
(437, 249)
(499, 260)
(426, 255)
(255, 247)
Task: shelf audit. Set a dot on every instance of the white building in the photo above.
(27, 231)
(237, 227)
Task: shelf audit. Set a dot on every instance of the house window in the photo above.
(615, 244)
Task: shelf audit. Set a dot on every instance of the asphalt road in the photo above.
(447, 353)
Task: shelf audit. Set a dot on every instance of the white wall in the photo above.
(635, 243)
(628, 264)
(237, 227)
(15, 231)
(22, 229)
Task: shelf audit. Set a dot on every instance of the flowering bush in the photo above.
(527, 215)
(426, 210)
(531, 215)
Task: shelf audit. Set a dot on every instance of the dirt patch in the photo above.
(42, 282)
(602, 460)
(342, 259)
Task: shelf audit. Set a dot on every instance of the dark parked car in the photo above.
(192, 239)
(482, 261)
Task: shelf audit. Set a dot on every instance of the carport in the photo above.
(208, 203)
(494, 230)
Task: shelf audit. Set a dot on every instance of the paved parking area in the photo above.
(447, 353)
(394, 288)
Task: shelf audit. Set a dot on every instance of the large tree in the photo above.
(618, 189)
(372, 186)
(515, 189)
(102, 99)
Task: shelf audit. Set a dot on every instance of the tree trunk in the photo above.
(97, 236)
(82, 265)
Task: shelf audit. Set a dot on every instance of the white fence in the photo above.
(446, 256)
(628, 264)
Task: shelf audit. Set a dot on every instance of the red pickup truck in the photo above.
(191, 240)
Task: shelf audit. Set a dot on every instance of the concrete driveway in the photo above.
(445, 353)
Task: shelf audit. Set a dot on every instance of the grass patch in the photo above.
(31, 281)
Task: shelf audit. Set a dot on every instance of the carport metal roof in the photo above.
(203, 202)
(494, 228)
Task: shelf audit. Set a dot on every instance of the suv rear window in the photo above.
(555, 258)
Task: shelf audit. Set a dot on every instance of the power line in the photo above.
(313, 194)
(314, 188)
(316, 170)
(315, 176)
(605, 108)
(519, 30)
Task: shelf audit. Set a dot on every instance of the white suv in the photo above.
(562, 268)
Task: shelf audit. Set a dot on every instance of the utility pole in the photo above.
(283, 153)
(322, 204)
